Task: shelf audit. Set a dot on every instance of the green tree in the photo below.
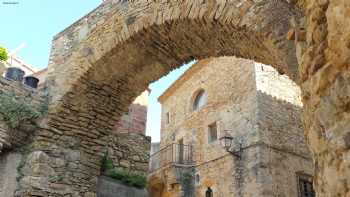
(3, 54)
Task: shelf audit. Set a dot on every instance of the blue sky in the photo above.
(35, 22)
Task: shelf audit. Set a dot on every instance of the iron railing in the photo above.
(172, 154)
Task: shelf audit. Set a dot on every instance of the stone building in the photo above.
(258, 107)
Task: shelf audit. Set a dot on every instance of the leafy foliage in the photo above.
(15, 111)
(126, 178)
(121, 175)
(3, 54)
(107, 163)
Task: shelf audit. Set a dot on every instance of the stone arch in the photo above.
(139, 41)
(138, 33)
(101, 63)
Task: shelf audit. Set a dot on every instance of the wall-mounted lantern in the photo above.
(226, 142)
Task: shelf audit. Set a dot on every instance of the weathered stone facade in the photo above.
(15, 138)
(121, 46)
(13, 141)
(107, 187)
(130, 151)
(19, 159)
(101, 63)
(9, 174)
(258, 107)
(324, 73)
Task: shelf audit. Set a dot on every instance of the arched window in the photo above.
(199, 100)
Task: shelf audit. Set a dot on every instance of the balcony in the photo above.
(172, 155)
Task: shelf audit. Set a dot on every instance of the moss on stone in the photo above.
(121, 175)
(126, 178)
(107, 163)
(16, 111)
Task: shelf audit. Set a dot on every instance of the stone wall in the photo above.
(255, 38)
(264, 115)
(221, 108)
(280, 129)
(128, 146)
(33, 96)
(101, 63)
(134, 121)
(324, 71)
(279, 111)
(13, 138)
(130, 151)
(228, 103)
(250, 29)
(107, 187)
(8, 173)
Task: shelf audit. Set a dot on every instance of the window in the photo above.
(167, 117)
(197, 179)
(209, 192)
(199, 100)
(173, 136)
(212, 133)
(305, 186)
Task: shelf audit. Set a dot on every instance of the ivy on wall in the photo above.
(16, 111)
(121, 175)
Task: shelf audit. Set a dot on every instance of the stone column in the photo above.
(325, 81)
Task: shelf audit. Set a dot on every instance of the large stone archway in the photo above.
(99, 64)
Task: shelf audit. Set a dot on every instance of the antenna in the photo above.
(14, 51)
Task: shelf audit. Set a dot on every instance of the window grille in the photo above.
(305, 186)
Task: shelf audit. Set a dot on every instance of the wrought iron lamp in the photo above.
(226, 142)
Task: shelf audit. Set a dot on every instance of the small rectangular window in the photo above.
(305, 186)
(212, 133)
(167, 118)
